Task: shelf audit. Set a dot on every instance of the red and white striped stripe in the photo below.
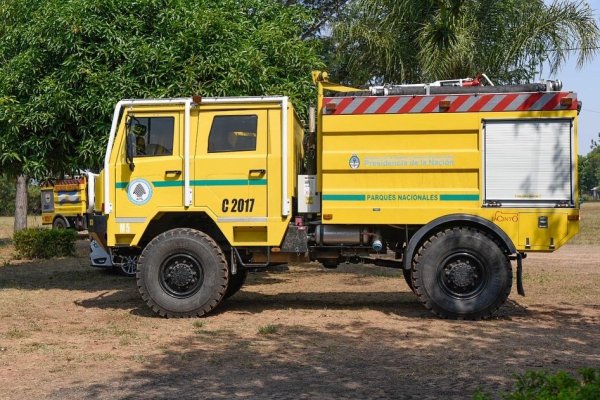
(495, 102)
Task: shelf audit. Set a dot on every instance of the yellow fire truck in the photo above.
(65, 202)
(447, 181)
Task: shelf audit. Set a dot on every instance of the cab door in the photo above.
(156, 181)
(230, 172)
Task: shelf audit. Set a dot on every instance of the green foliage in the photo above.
(65, 63)
(45, 243)
(7, 198)
(34, 200)
(323, 12)
(534, 385)
(589, 169)
(420, 41)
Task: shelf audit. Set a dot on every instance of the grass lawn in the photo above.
(68, 331)
(589, 228)
(6, 234)
(7, 225)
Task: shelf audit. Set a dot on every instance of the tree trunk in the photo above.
(21, 203)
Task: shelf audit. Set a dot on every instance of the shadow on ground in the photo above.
(60, 273)
(112, 291)
(359, 361)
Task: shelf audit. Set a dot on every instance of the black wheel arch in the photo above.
(453, 220)
(194, 220)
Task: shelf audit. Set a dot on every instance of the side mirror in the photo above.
(130, 150)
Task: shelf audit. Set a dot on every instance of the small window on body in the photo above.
(154, 136)
(233, 133)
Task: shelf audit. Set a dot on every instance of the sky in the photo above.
(586, 83)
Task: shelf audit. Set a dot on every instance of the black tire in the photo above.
(182, 273)
(461, 273)
(236, 282)
(408, 278)
(329, 263)
(127, 265)
(59, 223)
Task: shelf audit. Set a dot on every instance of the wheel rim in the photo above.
(129, 264)
(462, 275)
(181, 276)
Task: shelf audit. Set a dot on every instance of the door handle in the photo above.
(173, 172)
(257, 171)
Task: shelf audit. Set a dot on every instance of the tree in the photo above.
(420, 41)
(7, 197)
(10, 157)
(65, 63)
(323, 13)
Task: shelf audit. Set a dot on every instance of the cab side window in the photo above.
(153, 136)
(233, 133)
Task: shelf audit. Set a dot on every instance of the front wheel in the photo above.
(461, 273)
(182, 273)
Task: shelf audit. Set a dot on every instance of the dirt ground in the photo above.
(68, 331)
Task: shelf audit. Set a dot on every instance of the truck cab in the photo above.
(222, 165)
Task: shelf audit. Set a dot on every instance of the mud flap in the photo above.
(520, 288)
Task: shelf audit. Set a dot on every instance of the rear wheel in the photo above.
(59, 223)
(461, 273)
(182, 273)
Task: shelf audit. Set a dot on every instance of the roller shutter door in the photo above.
(528, 162)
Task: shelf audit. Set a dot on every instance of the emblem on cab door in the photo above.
(139, 191)
(354, 161)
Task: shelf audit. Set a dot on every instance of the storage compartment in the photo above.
(542, 231)
(528, 163)
(250, 233)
